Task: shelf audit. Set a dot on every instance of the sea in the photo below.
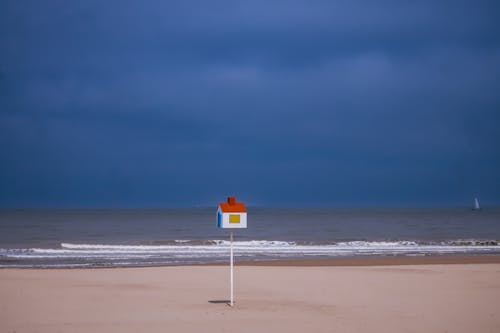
(48, 238)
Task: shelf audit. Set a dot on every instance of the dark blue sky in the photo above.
(164, 103)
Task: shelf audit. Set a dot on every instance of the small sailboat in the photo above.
(476, 205)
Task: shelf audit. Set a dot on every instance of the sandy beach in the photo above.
(293, 298)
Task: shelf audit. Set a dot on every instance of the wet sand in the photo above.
(380, 261)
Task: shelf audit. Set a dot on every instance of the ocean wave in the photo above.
(275, 244)
(187, 251)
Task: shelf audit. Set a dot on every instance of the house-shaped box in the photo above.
(231, 214)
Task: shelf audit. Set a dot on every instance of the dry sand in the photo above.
(409, 298)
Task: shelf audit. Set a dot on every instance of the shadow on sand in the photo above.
(217, 301)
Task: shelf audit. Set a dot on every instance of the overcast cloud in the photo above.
(162, 103)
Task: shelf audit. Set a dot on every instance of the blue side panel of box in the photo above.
(219, 219)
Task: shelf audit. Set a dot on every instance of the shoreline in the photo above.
(378, 261)
(312, 262)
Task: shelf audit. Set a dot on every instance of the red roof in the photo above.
(231, 206)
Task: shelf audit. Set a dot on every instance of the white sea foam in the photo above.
(193, 251)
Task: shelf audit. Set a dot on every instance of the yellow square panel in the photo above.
(234, 218)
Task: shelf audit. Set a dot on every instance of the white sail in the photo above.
(476, 204)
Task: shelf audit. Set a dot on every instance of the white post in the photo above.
(232, 262)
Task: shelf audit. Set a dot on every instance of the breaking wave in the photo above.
(198, 251)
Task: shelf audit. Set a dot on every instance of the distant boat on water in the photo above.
(476, 205)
